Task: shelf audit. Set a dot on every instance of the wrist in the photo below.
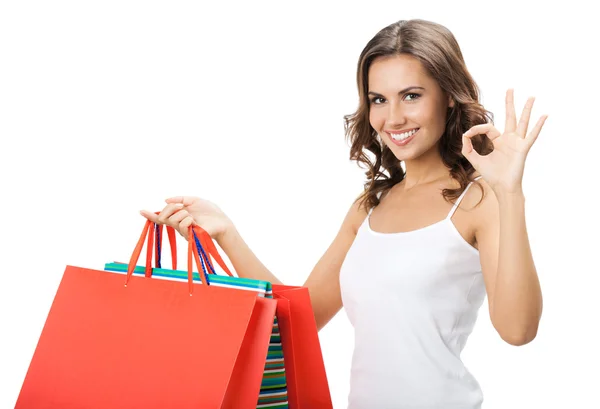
(510, 198)
(227, 235)
(512, 193)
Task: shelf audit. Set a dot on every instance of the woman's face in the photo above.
(407, 107)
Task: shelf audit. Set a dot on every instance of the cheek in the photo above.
(433, 116)
(372, 120)
(375, 119)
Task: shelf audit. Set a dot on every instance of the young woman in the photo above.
(420, 248)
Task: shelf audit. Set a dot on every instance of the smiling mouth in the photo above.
(400, 137)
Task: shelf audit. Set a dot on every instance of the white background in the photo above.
(110, 107)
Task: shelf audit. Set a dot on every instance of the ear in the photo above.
(450, 102)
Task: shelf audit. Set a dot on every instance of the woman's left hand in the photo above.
(503, 168)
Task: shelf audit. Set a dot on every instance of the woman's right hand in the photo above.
(181, 212)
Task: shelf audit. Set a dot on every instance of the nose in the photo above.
(396, 115)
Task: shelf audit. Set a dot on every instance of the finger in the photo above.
(470, 153)
(535, 132)
(168, 211)
(184, 226)
(184, 200)
(149, 215)
(511, 116)
(177, 217)
(524, 121)
(483, 129)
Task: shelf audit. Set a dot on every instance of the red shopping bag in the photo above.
(304, 366)
(306, 377)
(149, 344)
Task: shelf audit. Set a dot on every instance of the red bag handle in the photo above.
(172, 244)
(207, 244)
(146, 232)
(158, 247)
(207, 249)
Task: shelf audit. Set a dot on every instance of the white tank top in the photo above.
(413, 299)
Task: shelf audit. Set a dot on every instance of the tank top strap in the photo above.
(460, 198)
(372, 208)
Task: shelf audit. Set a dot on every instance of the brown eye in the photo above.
(412, 96)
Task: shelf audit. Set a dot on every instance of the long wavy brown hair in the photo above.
(439, 53)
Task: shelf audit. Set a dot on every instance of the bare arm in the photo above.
(513, 287)
(512, 284)
(323, 282)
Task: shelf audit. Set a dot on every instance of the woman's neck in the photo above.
(425, 169)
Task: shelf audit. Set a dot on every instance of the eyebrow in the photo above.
(404, 91)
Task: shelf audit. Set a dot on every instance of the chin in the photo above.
(404, 154)
(413, 151)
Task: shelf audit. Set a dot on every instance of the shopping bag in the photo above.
(111, 341)
(306, 377)
(273, 389)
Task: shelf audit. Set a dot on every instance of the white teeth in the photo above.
(402, 136)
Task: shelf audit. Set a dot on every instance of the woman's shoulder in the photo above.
(356, 214)
(481, 199)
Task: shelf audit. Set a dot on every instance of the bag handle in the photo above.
(200, 248)
(147, 232)
(157, 237)
(207, 248)
(158, 228)
(204, 244)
